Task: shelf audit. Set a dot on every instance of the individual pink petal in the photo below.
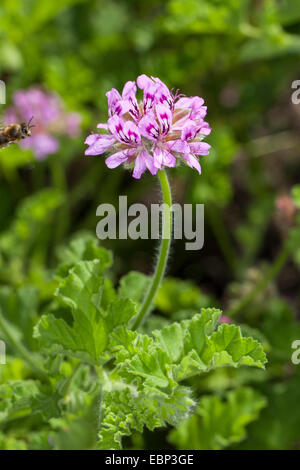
(117, 159)
(205, 129)
(102, 126)
(192, 162)
(129, 90)
(163, 158)
(169, 159)
(199, 113)
(150, 89)
(122, 107)
(132, 133)
(178, 146)
(148, 126)
(164, 116)
(143, 81)
(199, 148)
(163, 94)
(113, 97)
(91, 139)
(115, 124)
(189, 102)
(189, 131)
(125, 131)
(100, 144)
(143, 160)
(149, 98)
(129, 94)
(127, 103)
(195, 104)
(139, 166)
(149, 160)
(158, 157)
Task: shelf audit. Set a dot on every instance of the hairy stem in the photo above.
(163, 252)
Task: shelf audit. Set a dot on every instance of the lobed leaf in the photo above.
(85, 292)
(219, 423)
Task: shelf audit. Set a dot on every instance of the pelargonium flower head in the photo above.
(49, 116)
(160, 131)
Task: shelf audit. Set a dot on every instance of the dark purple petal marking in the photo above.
(148, 102)
(134, 111)
(165, 123)
(167, 100)
(152, 130)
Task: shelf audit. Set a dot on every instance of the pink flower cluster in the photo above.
(49, 119)
(155, 133)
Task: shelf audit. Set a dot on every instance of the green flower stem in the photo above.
(163, 253)
(263, 284)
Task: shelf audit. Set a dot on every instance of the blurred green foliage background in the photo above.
(241, 56)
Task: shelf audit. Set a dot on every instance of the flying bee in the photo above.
(14, 133)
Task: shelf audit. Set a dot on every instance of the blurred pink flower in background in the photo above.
(50, 119)
(161, 130)
(224, 319)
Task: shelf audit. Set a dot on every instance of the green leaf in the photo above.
(199, 349)
(184, 349)
(15, 398)
(119, 312)
(133, 286)
(84, 291)
(84, 247)
(175, 295)
(127, 410)
(229, 343)
(278, 426)
(219, 423)
(154, 366)
(18, 309)
(20, 398)
(80, 291)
